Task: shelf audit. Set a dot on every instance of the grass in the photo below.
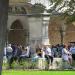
(34, 72)
(21, 72)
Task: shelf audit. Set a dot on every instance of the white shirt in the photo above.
(9, 49)
(65, 53)
(43, 54)
(48, 51)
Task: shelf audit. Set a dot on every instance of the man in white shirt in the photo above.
(48, 56)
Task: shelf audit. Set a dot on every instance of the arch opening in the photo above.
(17, 34)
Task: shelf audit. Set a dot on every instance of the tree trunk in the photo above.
(3, 26)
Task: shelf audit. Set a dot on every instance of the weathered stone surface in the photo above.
(68, 31)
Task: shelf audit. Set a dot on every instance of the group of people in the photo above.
(18, 52)
(15, 53)
(66, 52)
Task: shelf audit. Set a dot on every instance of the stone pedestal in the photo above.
(41, 63)
(57, 63)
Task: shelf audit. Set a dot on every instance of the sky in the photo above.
(44, 2)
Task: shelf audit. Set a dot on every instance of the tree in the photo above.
(67, 7)
(38, 8)
(3, 26)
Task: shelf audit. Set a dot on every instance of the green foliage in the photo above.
(23, 64)
(65, 7)
(55, 4)
(71, 18)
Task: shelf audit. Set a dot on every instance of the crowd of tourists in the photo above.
(18, 53)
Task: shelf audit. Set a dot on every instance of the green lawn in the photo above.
(17, 72)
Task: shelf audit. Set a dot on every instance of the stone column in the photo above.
(45, 23)
(3, 26)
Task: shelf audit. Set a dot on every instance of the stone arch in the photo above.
(17, 24)
(23, 19)
(17, 34)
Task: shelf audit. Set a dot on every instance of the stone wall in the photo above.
(56, 22)
(57, 63)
